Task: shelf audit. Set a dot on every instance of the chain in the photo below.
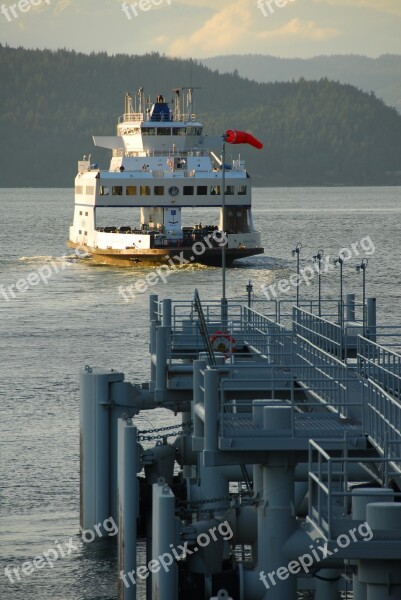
(155, 434)
(223, 499)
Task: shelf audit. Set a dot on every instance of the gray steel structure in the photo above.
(292, 442)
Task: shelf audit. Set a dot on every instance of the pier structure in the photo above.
(283, 476)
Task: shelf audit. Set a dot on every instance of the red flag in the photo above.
(233, 136)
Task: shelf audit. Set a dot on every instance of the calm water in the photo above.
(49, 332)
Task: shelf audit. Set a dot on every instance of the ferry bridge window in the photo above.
(79, 189)
(188, 190)
(86, 214)
(241, 190)
(179, 130)
(215, 190)
(80, 212)
(131, 190)
(117, 190)
(148, 130)
(194, 130)
(159, 190)
(230, 190)
(104, 191)
(145, 190)
(164, 131)
(89, 190)
(201, 190)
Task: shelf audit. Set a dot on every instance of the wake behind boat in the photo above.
(163, 164)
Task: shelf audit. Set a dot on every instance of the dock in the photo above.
(282, 479)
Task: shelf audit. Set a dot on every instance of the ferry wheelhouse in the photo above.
(163, 165)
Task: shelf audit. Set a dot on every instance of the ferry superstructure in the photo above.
(163, 165)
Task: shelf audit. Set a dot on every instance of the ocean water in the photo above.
(51, 329)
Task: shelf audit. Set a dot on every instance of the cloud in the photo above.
(219, 33)
(305, 30)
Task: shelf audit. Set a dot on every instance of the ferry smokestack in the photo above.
(233, 136)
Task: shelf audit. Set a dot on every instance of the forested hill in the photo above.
(381, 74)
(315, 132)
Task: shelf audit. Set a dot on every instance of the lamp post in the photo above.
(297, 251)
(340, 261)
(232, 136)
(318, 259)
(224, 312)
(362, 267)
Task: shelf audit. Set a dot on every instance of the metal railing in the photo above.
(267, 337)
(380, 365)
(315, 365)
(329, 494)
(266, 382)
(322, 333)
(383, 421)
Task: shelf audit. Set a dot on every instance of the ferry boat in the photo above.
(163, 165)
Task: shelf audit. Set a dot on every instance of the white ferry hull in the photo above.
(157, 256)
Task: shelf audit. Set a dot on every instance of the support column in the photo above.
(211, 409)
(276, 520)
(162, 341)
(164, 533)
(128, 508)
(383, 577)
(350, 307)
(198, 368)
(327, 584)
(95, 437)
(371, 320)
(153, 300)
(166, 312)
(360, 499)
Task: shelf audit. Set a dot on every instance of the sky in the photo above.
(204, 28)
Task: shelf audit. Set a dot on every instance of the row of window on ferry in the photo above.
(159, 190)
(161, 130)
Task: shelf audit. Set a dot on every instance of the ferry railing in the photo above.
(134, 116)
(329, 493)
(380, 365)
